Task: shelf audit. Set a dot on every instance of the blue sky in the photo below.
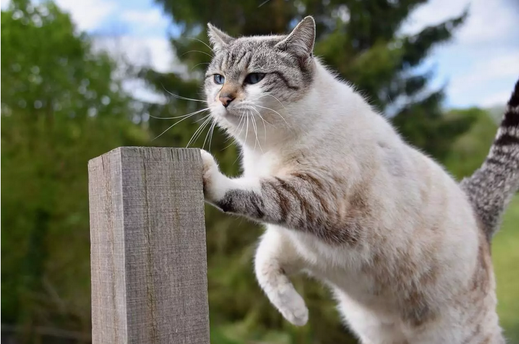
(479, 66)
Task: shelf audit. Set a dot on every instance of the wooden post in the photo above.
(148, 247)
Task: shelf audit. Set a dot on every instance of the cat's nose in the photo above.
(226, 99)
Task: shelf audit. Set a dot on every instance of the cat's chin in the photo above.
(232, 116)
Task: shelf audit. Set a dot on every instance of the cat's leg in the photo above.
(370, 327)
(471, 319)
(275, 260)
(302, 201)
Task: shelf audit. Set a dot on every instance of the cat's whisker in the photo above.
(270, 95)
(207, 135)
(239, 129)
(199, 131)
(267, 108)
(247, 129)
(253, 129)
(211, 135)
(183, 119)
(183, 98)
(196, 39)
(204, 125)
(201, 119)
(263, 120)
(182, 116)
(241, 126)
(197, 51)
(198, 64)
(264, 127)
(256, 131)
(256, 127)
(245, 121)
(204, 119)
(259, 114)
(233, 141)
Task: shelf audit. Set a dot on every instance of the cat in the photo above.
(404, 248)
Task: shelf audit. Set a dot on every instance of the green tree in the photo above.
(359, 39)
(469, 150)
(62, 104)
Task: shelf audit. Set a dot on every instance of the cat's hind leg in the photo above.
(367, 325)
(275, 259)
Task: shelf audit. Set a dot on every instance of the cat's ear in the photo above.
(301, 40)
(217, 37)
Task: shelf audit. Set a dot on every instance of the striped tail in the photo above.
(492, 186)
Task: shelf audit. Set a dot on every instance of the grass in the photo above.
(505, 255)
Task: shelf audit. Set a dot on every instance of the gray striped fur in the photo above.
(492, 186)
(301, 201)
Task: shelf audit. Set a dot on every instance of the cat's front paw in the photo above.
(292, 306)
(211, 177)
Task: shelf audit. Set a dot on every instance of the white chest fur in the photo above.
(259, 164)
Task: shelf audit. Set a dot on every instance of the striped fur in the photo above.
(347, 201)
(300, 200)
(492, 186)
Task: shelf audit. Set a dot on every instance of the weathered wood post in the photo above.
(148, 247)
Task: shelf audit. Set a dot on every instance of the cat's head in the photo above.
(258, 76)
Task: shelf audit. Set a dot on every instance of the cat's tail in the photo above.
(492, 186)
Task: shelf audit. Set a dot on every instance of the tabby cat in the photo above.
(404, 248)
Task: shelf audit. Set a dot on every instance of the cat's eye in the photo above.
(254, 78)
(219, 79)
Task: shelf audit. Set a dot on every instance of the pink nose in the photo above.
(226, 99)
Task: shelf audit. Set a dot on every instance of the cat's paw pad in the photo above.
(293, 308)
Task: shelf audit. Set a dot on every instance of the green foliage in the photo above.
(469, 150)
(61, 105)
(434, 133)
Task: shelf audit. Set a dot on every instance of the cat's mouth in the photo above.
(238, 113)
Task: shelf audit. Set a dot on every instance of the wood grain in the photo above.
(148, 247)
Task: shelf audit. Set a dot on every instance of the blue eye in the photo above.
(219, 79)
(254, 78)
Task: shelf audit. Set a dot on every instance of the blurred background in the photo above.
(82, 77)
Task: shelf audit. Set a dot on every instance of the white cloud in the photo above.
(141, 52)
(482, 60)
(488, 21)
(5, 4)
(141, 91)
(486, 71)
(152, 17)
(88, 14)
(432, 13)
(486, 83)
(155, 52)
(495, 99)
